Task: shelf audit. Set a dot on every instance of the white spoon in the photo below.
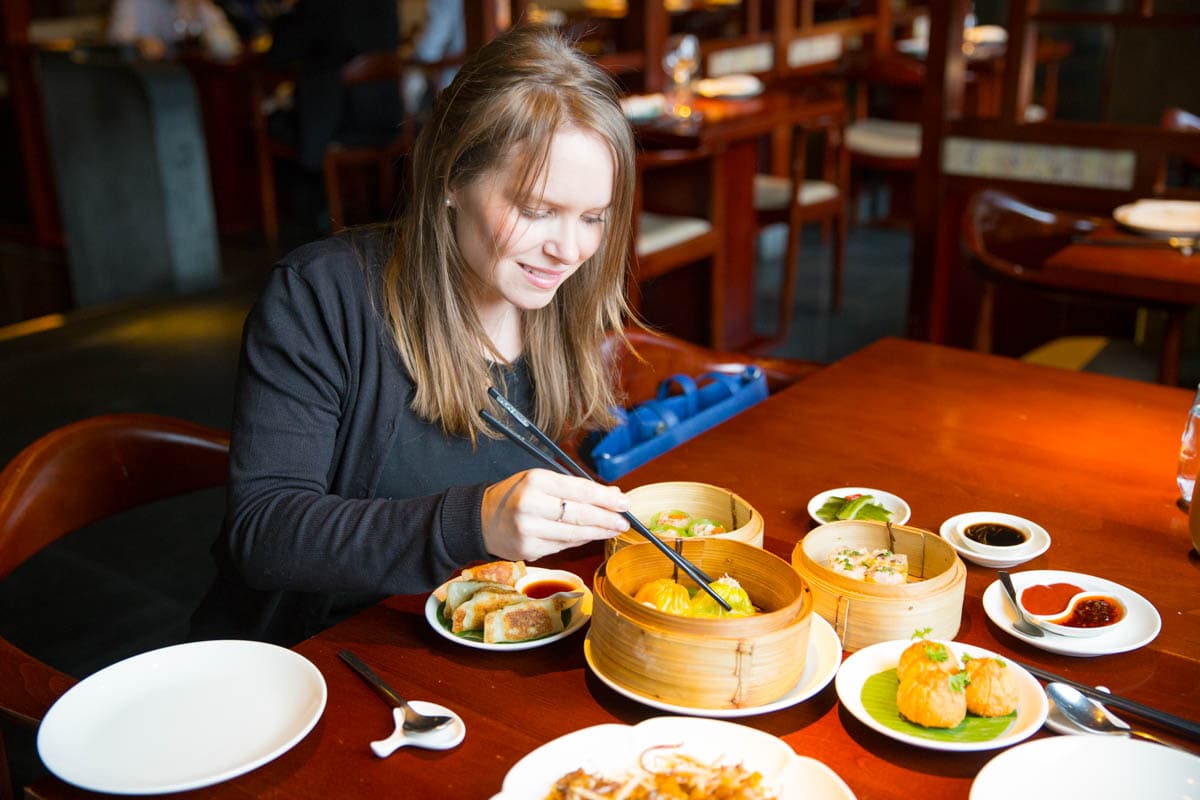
(443, 738)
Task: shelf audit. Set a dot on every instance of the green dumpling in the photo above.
(731, 592)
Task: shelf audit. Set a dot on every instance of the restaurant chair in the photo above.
(382, 156)
(799, 199)
(678, 221)
(1178, 119)
(76, 475)
(1007, 240)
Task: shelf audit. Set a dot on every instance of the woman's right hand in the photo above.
(538, 512)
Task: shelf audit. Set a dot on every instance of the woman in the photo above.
(359, 464)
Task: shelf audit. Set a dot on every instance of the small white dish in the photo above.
(1095, 767)
(580, 613)
(1142, 618)
(614, 750)
(1032, 704)
(1038, 542)
(1161, 217)
(444, 738)
(820, 665)
(893, 503)
(1054, 622)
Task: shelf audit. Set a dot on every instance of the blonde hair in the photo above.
(504, 107)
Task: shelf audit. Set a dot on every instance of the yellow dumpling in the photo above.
(933, 699)
(665, 595)
(926, 654)
(993, 689)
(731, 591)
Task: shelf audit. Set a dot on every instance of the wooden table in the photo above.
(1091, 458)
(1154, 274)
(733, 129)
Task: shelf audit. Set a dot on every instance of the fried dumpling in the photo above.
(666, 595)
(459, 592)
(470, 615)
(993, 689)
(933, 699)
(503, 572)
(926, 654)
(529, 619)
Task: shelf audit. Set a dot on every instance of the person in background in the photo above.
(441, 37)
(359, 464)
(161, 28)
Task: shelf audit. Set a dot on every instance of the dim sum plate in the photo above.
(821, 664)
(893, 503)
(1142, 622)
(579, 613)
(181, 717)
(1095, 767)
(613, 750)
(862, 665)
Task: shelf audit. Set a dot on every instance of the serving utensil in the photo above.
(413, 721)
(567, 466)
(1022, 623)
(1184, 245)
(1091, 716)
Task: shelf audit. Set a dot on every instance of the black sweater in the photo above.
(321, 410)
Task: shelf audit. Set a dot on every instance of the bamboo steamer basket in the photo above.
(701, 663)
(742, 520)
(865, 613)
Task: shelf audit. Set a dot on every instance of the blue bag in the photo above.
(652, 428)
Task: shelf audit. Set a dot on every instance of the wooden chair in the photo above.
(1177, 119)
(382, 157)
(678, 220)
(76, 475)
(798, 199)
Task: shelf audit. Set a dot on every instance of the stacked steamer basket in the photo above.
(701, 500)
(723, 663)
(865, 613)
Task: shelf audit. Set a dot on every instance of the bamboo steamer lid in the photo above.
(702, 663)
(742, 520)
(865, 613)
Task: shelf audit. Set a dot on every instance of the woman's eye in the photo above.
(594, 220)
(534, 213)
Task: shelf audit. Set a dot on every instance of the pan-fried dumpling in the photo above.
(504, 572)
(993, 689)
(459, 592)
(471, 614)
(731, 591)
(666, 595)
(519, 622)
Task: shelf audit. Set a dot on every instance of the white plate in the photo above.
(181, 717)
(1095, 767)
(873, 659)
(893, 503)
(613, 750)
(581, 612)
(643, 107)
(1038, 543)
(820, 665)
(1161, 217)
(1142, 622)
(729, 87)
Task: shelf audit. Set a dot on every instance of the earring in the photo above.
(448, 203)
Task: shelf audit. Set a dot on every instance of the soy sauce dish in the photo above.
(1069, 610)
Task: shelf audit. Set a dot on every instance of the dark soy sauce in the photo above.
(995, 534)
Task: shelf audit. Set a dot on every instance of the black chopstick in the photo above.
(694, 572)
(1167, 720)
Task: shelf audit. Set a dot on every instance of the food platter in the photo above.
(1141, 625)
(578, 615)
(1160, 217)
(181, 717)
(613, 750)
(1039, 541)
(821, 664)
(1032, 705)
(1095, 767)
(894, 503)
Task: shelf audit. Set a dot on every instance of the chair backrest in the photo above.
(1012, 238)
(1177, 119)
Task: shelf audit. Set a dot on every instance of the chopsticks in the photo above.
(1177, 724)
(567, 466)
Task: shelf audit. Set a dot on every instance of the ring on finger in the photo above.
(562, 510)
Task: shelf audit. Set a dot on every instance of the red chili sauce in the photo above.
(1048, 599)
(1094, 612)
(536, 590)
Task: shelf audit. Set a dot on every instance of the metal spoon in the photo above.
(414, 721)
(1091, 716)
(1022, 623)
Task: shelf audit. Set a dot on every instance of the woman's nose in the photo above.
(563, 244)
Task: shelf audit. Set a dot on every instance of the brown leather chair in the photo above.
(799, 199)
(1177, 119)
(678, 220)
(76, 475)
(382, 158)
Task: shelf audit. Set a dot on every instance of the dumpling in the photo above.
(529, 619)
(993, 690)
(666, 595)
(459, 592)
(705, 527)
(679, 520)
(887, 567)
(925, 654)
(503, 572)
(731, 591)
(470, 615)
(933, 699)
